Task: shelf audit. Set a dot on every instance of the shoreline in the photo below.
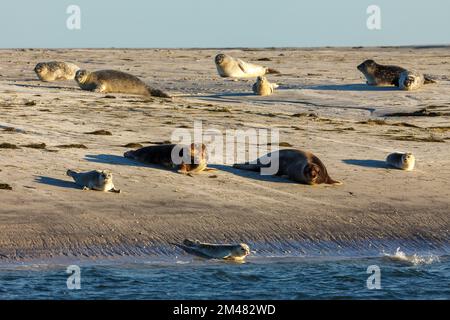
(261, 252)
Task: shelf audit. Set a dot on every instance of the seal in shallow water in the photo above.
(112, 81)
(229, 67)
(94, 180)
(297, 165)
(56, 70)
(404, 161)
(234, 252)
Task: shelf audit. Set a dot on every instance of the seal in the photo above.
(94, 180)
(380, 75)
(263, 87)
(55, 71)
(299, 166)
(229, 67)
(413, 80)
(112, 81)
(404, 161)
(195, 160)
(232, 252)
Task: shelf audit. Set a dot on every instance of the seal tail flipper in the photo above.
(70, 173)
(272, 71)
(429, 79)
(157, 93)
(247, 166)
(334, 182)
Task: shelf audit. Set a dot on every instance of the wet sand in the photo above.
(322, 105)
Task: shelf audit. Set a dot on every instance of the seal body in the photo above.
(404, 161)
(94, 180)
(186, 159)
(55, 71)
(299, 166)
(234, 252)
(229, 67)
(112, 81)
(263, 87)
(380, 75)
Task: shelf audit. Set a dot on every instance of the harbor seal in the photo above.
(263, 87)
(233, 252)
(112, 81)
(94, 180)
(403, 161)
(229, 67)
(413, 80)
(381, 75)
(299, 166)
(55, 70)
(195, 161)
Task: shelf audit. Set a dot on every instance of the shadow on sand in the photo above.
(249, 174)
(351, 87)
(57, 182)
(367, 163)
(122, 161)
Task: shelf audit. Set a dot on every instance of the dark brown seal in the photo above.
(163, 155)
(297, 165)
(380, 75)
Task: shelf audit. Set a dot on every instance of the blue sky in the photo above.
(232, 23)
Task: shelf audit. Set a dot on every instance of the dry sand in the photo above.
(45, 215)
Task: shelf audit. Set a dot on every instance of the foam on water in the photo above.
(413, 259)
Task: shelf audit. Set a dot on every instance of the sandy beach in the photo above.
(322, 105)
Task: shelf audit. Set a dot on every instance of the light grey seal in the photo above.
(404, 161)
(233, 252)
(413, 80)
(55, 70)
(112, 81)
(263, 87)
(229, 67)
(94, 180)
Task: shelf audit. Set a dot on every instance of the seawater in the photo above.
(402, 276)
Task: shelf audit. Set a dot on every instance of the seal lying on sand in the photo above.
(112, 81)
(297, 165)
(404, 161)
(165, 155)
(380, 75)
(94, 180)
(263, 87)
(233, 252)
(56, 70)
(413, 80)
(229, 67)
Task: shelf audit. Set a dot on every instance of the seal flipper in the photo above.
(157, 93)
(247, 166)
(272, 71)
(428, 79)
